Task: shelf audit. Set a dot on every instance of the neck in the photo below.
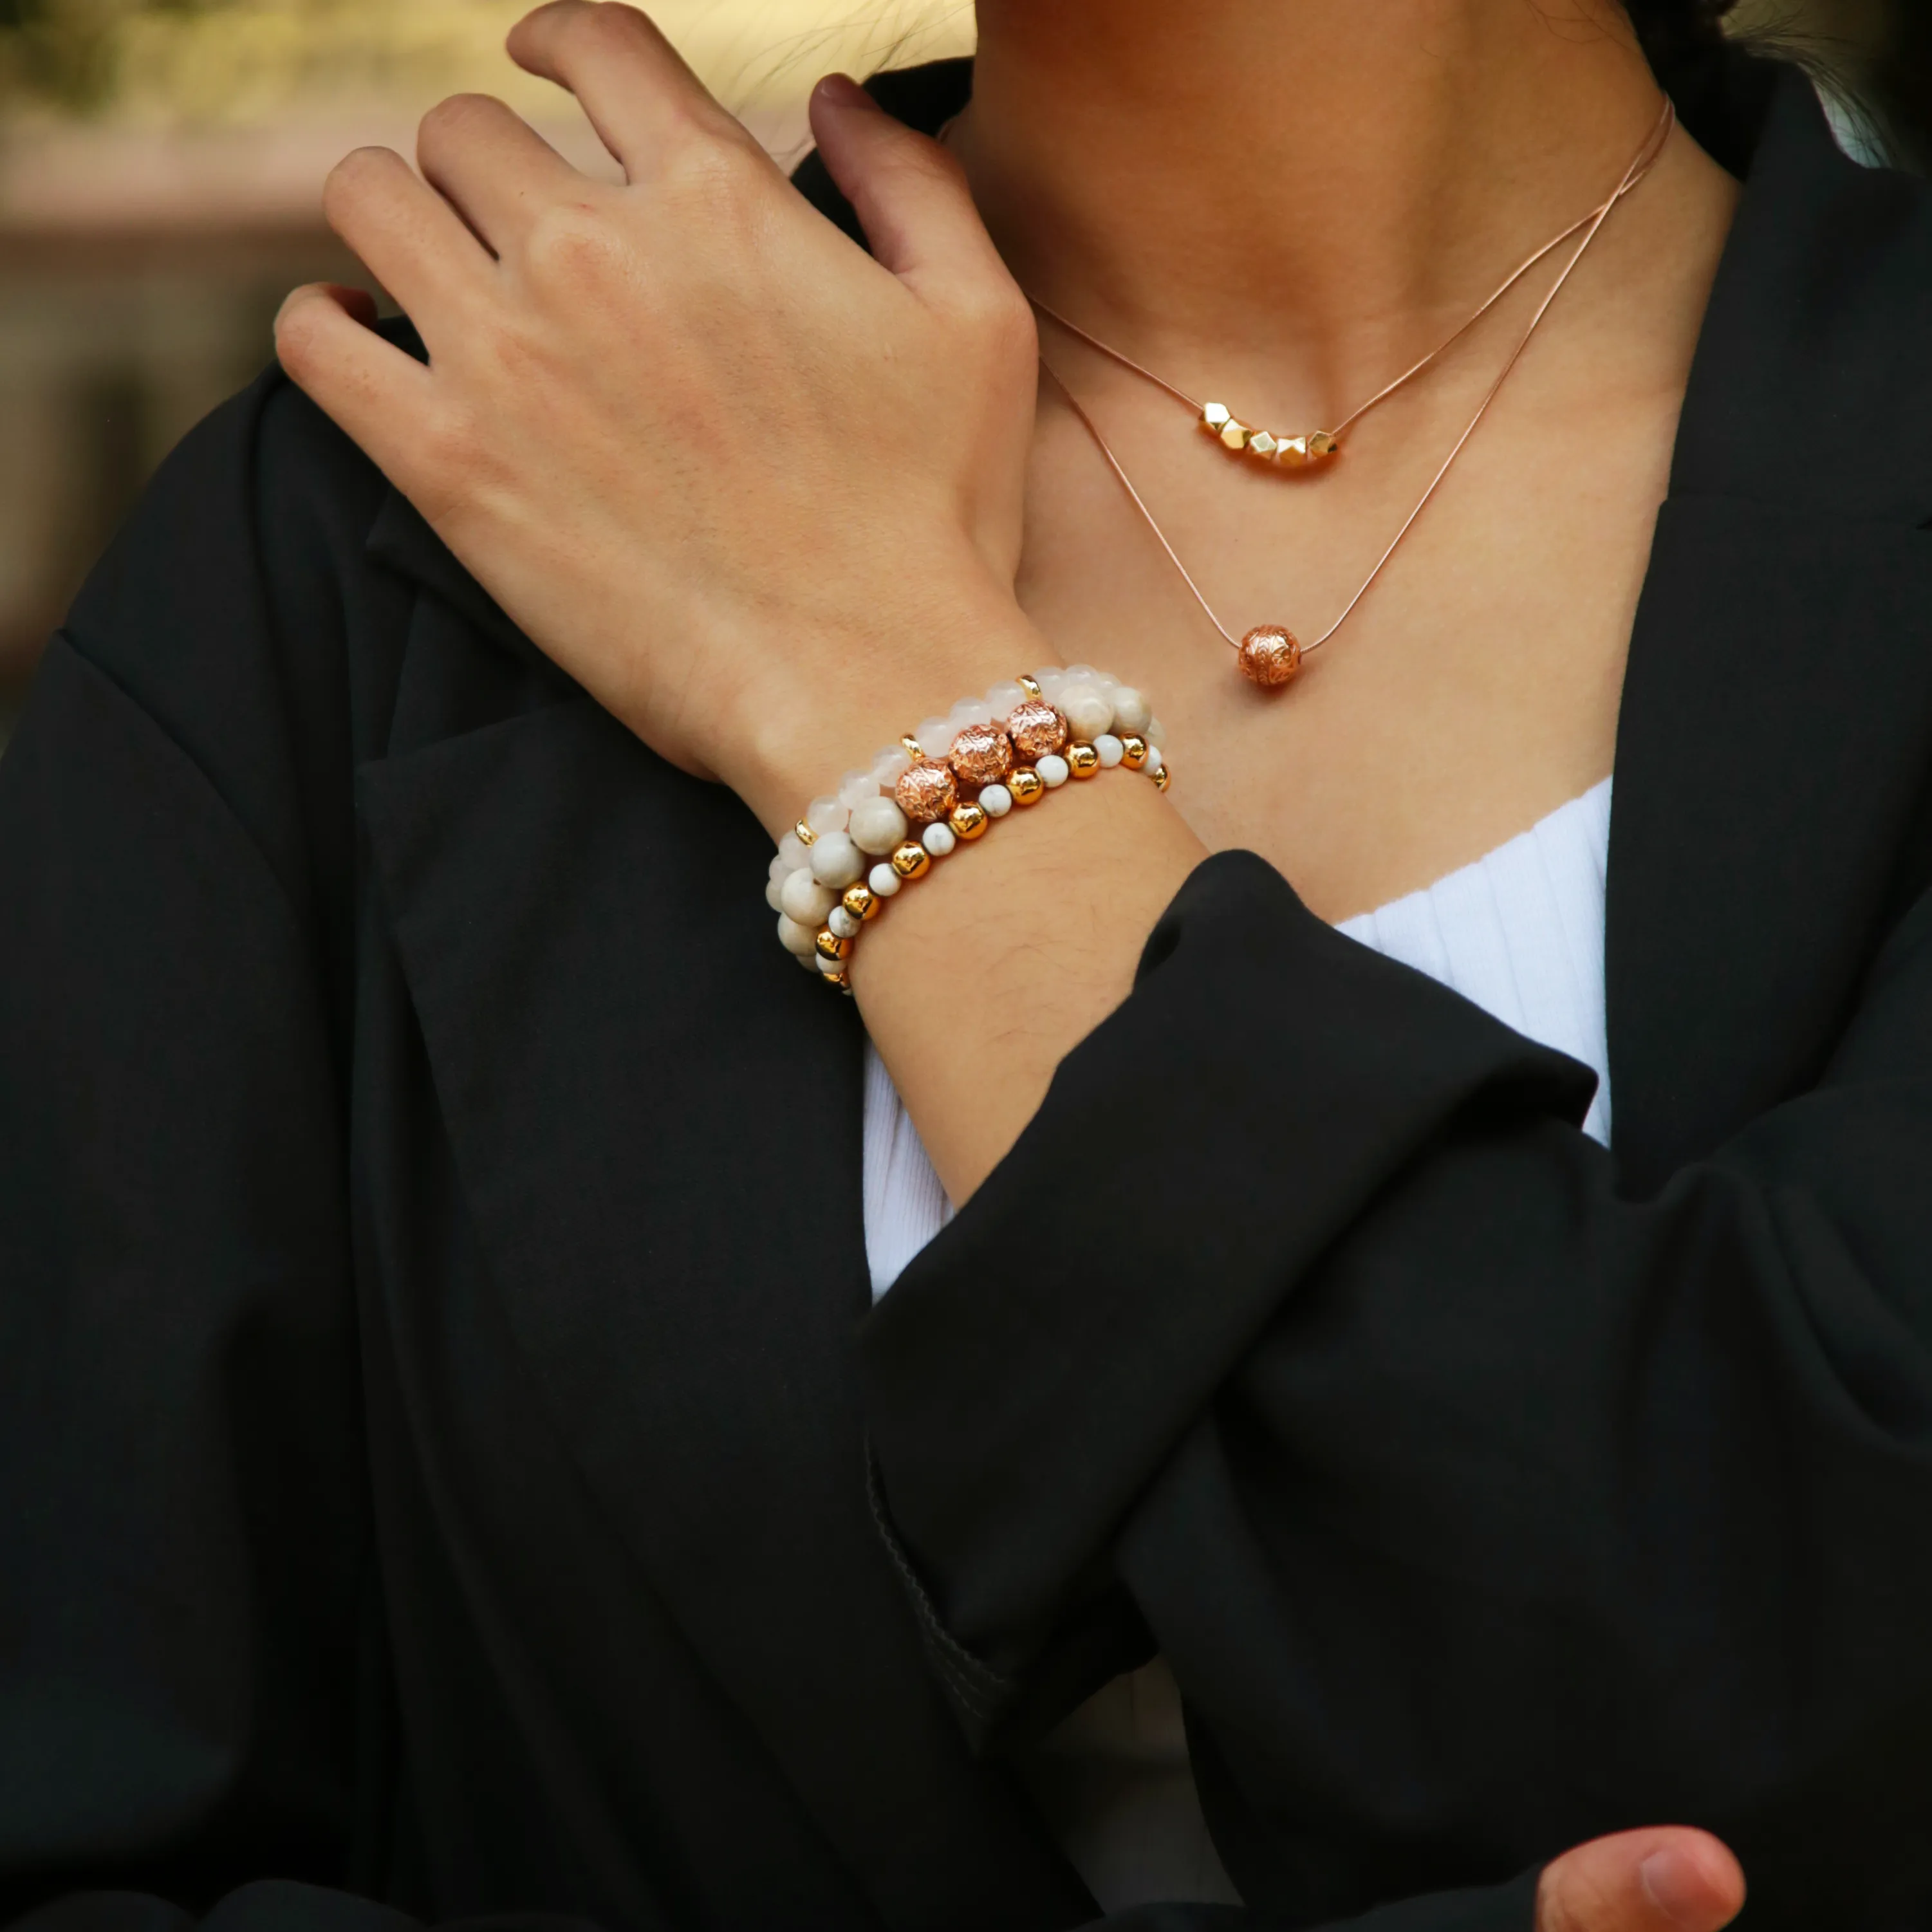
(1325, 180)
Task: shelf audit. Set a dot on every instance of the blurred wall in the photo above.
(160, 165)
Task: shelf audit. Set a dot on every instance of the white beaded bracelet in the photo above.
(883, 828)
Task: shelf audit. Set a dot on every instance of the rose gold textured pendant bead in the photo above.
(1027, 786)
(982, 754)
(1082, 761)
(925, 791)
(1270, 656)
(1037, 728)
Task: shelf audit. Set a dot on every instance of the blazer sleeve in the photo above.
(1477, 1508)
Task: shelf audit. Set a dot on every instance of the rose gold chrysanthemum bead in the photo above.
(1036, 728)
(926, 791)
(982, 754)
(1269, 656)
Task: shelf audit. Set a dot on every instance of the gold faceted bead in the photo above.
(1133, 751)
(1293, 451)
(926, 790)
(861, 902)
(1037, 728)
(911, 860)
(969, 820)
(1082, 761)
(1263, 444)
(982, 754)
(1215, 418)
(1321, 445)
(831, 946)
(1026, 785)
(1234, 435)
(1160, 779)
(806, 836)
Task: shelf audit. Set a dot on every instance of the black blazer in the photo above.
(436, 1371)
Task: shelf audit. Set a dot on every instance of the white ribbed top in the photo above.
(1519, 933)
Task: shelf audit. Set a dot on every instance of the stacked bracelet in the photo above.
(854, 850)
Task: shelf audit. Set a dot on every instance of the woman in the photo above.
(439, 1467)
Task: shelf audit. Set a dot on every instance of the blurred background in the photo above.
(160, 161)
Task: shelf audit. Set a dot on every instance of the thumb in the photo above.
(908, 192)
(1668, 1879)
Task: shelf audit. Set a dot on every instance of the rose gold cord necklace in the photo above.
(1270, 655)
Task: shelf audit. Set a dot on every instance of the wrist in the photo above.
(865, 686)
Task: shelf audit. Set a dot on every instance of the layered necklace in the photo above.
(1270, 654)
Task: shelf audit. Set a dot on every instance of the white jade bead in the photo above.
(1108, 750)
(1155, 762)
(995, 801)
(937, 838)
(969, 711)
(1131, 711)
(935, 736)
(855, 787)
(826, 814)
(829, 966)
(794, 850)
(890, 765)
(1087, 712)
(800, 941)
(1051, 684)
(836, 862)
(1002, 700)
(779, 868)
(883, 881)
(1081, 674)
(775, 894)
(1045, 671)
(804, 899)
(1156, 733)
(842, 922)
(1052, 770)
(877, 826)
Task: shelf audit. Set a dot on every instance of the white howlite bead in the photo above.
(836, 862)
(1002, 699)
(1052, 770)
(1087, 712)
(842, 922)
(935, 736)
(1108, 750)
(877, 826)
(937, 838)
(802, 940)
(826, 814)
(1155, 762)
(995, 801)
(890, 765)
(1131, 710)
(804, 899)
(794, 850)
(775, 894)
(855, 787)
(883, 881)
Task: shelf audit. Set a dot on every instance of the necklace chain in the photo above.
(1590, 225)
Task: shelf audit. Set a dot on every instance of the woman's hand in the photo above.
(759, 492)
(1668, 1879)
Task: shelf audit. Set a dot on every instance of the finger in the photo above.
(376, 394)
(908, 192)
(629, 80)
(494, 169)
(410, 239)
(1669, 1879)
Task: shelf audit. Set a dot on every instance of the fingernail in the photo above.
(1675, 1881)
(842, 91)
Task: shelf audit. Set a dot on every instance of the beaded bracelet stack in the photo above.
(883, 828)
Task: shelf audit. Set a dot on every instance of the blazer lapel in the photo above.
(656, 1116)
(1777, 723)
